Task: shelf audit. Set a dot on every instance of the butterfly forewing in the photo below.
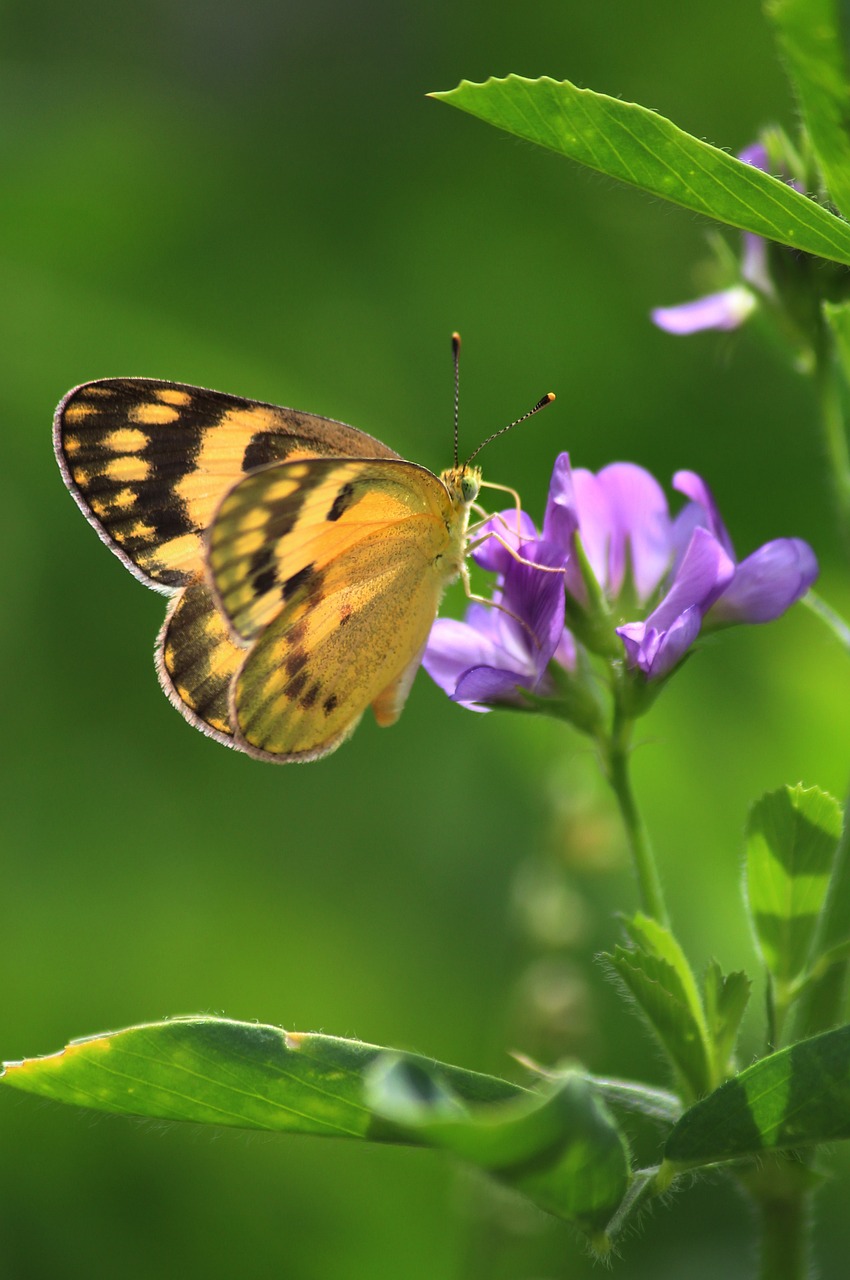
(278, 529)
(149, 462)
(344, 639)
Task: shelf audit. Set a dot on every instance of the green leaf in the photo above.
(639, 147)
(658, 977)
(726, 998)
(559, 1147)
(214, 1071)
(656, 939)
(810, 40)
(793, 1098)
(639, 1099)
(792, 836)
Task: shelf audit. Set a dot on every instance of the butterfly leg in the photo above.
(474, 598)
(513, 553)
(504, 488)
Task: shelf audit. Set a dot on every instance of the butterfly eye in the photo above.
(469, 487)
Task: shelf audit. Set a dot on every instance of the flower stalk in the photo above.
(617, 752)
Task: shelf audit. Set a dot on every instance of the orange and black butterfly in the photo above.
(305, 560)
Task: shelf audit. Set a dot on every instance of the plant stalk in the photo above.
(618, 752)
(830, 388)
(781, 1189)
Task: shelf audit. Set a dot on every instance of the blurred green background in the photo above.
(258, 197)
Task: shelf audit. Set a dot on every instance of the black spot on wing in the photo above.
(296, 633)
(295, 660)
(310, 697)
(304, 577)
(330, 704)
(265, 447)
(296, 684)
(263, 571)
(341, 502)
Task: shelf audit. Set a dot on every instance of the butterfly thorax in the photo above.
(463, 485)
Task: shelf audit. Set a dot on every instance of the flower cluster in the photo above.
(611, 573)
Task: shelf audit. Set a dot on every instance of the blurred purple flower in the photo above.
(683, 571)
(730, 307)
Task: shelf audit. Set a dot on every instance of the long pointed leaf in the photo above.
(214, 1071)
(637, 146)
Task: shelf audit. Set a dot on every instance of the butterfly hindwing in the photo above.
(149, 462)
(197, 659)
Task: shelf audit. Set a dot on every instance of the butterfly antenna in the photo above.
(456, 358)
(541, 404)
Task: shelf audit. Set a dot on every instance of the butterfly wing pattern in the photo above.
(305, 559)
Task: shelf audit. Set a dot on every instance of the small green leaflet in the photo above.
(657, 975)
(794, 1098)
(726, 998)
(792, 836)
(639, 147)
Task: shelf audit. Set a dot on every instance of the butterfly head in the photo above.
(463, 484)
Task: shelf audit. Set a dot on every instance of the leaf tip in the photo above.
(52, 1061)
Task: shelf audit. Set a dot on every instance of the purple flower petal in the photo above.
(489, 685)
(508, 646)
(706, 515)
(725, 310)
(560, 520)
(705, 571)
(654, 651)
(656, 644)
(640, 537)
(754, 265)
(453, 647)
(596, 523)
(768, 582)
(537, 600)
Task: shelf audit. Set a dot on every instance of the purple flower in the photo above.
(620, 553)
(765, 584)
(730, 307)
(498, 651)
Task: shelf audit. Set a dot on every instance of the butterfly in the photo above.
(305, 560)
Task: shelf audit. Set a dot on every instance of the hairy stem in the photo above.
(781, 1190)
(618, 754)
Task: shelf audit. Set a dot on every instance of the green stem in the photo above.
(830, 392)
(781, 1191)
(784, 1232)
(649, 882)
(827, 615)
